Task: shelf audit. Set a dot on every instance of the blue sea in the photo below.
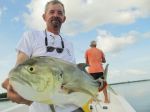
(137, 94)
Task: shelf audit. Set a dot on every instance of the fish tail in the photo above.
(86, 106)
(102, 84)
(52, 108)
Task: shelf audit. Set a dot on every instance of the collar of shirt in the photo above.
(50, 34)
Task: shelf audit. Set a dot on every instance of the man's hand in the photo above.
(12, 95)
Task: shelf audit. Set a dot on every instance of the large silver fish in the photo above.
(53, 81)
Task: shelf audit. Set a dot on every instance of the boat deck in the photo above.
(117, 104)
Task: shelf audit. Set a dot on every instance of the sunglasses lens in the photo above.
(50, 49)
(59, 50)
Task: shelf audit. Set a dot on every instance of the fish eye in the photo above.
(31, 69)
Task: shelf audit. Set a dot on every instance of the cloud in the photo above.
(34, 19)
(15, 19)
(2, 10)
(146, 35)
(114, 44)
(118, 75)
(84, 15)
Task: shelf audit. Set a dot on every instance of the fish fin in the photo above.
(102, 84)
(86, 106)
(78, 98)
(45, 101)
(82, 67)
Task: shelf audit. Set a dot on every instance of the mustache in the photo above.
(58, 19)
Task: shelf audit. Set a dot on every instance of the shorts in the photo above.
(97, 75)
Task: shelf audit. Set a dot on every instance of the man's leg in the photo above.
(106, 99)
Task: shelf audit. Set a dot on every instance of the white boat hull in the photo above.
(117, 104)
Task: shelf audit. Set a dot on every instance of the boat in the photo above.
(117, 103)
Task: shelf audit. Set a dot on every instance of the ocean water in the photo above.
(137, 94)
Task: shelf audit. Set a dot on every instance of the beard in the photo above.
(56, 22)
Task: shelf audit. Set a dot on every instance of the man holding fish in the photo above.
(44, 43)
(48, 42)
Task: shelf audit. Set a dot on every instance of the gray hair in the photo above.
(53, 2)
(93, 43)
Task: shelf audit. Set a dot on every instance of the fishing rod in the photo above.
(125, 82)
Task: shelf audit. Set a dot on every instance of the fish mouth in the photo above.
(19, 80)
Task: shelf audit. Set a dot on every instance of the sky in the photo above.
(120, 27)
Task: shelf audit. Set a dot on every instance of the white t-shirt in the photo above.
(33, 44)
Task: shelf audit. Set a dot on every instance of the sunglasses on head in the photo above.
(51, 48)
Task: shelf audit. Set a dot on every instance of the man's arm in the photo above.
(21, 57)
(86, 58)
(11, 94)
(103, 60)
